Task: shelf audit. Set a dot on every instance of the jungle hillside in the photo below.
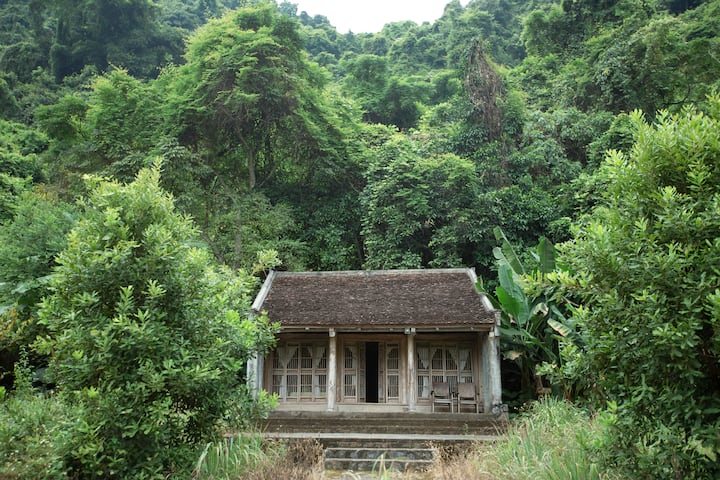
(159, 157)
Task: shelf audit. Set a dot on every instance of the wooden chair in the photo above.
(441, 395)
(467, 396)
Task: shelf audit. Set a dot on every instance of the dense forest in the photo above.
(567, 150)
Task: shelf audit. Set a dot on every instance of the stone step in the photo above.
(374, 443)
(376, 465)
(366, 459)
(374, 453)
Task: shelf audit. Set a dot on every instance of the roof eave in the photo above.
(264, 290)
(481, 327)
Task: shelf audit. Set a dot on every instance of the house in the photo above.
(377, 340)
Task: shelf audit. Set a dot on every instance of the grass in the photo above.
(551, 441)
(31, 435)
(250, 457)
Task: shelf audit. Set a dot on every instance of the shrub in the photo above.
(146, 335)
(648, 270)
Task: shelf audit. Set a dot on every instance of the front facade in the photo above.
(377, 340)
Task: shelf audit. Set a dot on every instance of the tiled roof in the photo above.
(376, 299)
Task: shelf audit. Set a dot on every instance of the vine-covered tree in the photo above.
(246, 85)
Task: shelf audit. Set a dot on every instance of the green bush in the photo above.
(146, 334)
(648, 270)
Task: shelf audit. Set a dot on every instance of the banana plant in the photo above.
(531, 326)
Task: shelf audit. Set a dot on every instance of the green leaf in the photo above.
(546, 254)
(563, 330)
(508, 251)
(511, 296)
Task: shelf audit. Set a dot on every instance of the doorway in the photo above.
(371, 371)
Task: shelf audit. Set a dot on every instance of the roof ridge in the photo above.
(400, 271)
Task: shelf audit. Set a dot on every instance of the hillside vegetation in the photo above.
(157, 158)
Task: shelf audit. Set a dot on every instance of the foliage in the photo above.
(534, 321)
(385, 98)
(620, 56)
(108, 32)
(145, 333)
(647, 273)
(419, 212)
(19, 163)
(28, 245)
(33, 429)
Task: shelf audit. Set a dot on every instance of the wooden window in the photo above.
(299, 371)
(392, 372)
(442, 362)
(350, 373)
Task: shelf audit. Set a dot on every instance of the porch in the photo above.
(423, 426)
(353, 372)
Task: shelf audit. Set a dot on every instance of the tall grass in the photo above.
(550, 441)
(250, 457)
(31, 436)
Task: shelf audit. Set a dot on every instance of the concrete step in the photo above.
(438, 423)
(378, 465)
(364, 459)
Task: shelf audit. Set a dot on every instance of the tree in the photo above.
(124, 33)
(246, 84)
(647, 268)
(122, 121)
(147, 335)
(419, 209)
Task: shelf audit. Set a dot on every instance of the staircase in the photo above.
(377, 441)
(360, 455)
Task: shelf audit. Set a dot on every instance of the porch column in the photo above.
(492, 387)
(332, 371)
(412, 388)
(254, 370)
